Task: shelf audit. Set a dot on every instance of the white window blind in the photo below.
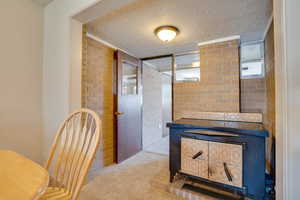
(252, 60)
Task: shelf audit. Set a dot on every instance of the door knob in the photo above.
(119, 113)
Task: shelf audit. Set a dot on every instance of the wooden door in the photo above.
(129, 106)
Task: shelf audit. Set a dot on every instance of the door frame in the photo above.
(173, 56)
(172, 85)
(173, 72)
(281, 87)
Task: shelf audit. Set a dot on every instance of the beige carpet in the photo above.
(142, 177)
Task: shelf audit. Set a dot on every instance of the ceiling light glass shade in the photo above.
(166, 33)
(196, 64)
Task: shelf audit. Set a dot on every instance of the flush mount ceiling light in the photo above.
(166, 33)
(196, 64)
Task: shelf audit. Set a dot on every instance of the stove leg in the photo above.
(172, 175)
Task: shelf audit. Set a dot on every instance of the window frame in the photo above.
(175, 66)
(262, 60)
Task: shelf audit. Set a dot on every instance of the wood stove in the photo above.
(222, 154)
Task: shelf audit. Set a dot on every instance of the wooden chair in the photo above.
(72, 154)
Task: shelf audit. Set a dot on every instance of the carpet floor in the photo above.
(145, 176)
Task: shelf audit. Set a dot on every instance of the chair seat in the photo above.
(54, 193)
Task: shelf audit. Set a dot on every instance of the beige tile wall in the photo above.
(240, 117)
(219, 88)
(270, 81)
(269, 115)
(253, 95)
(97, 93)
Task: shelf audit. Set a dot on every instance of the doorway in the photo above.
(157, 103)
(159, 74)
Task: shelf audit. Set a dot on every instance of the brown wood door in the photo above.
(129, 106)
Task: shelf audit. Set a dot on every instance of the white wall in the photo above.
(287, 73)
(59, 57)
(166, 102)
(76, 62)
(61, 73)
(152, 106)
(157, 105)
(21, 77)
(292, 15)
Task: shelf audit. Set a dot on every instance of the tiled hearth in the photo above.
(241, 117)
(177, 188)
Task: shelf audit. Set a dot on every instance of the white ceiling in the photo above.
(43, 2)
(131, 27)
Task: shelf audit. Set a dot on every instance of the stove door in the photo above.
(226, 163)
(194, 157)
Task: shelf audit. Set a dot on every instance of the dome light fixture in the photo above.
(166, 33)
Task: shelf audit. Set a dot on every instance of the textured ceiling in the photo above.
(43, 2)
(131, 26)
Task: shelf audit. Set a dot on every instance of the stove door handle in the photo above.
(227, 172)
(197, 155)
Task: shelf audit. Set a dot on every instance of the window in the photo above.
(252, 60)
(187, 67)
(129, 80)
